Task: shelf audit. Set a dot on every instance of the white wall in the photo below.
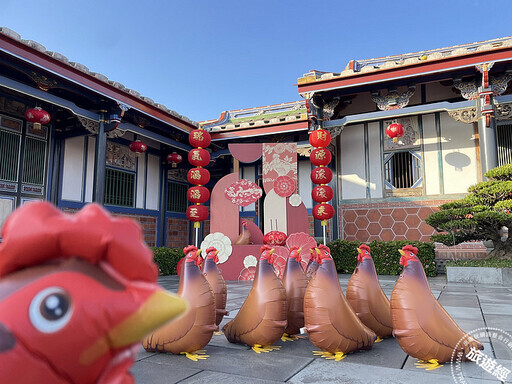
(153, 182)
(459, 155)
(248, 173)
(141, 181)
(431, 161)
(89, 177)
(73, 169)
(353, 179)
(375, 160)
(305, 183)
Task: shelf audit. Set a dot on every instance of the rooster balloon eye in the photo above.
(50, 310)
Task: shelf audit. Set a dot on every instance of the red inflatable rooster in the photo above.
(77, 294)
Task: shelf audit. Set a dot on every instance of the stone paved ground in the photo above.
(471, 306)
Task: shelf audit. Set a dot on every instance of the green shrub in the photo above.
(492, 262)
(384, 253)
(167, 259)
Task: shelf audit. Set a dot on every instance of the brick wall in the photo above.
(177, 232)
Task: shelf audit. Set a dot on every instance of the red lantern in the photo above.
(199, 157)
(198, 194)
(323, 211)
(174, 158)
(320, 156)
(199, 138)
(322, 194)
(395, 131)
(320, 138)
(198, 176)
(197, 213)
(138, 147)
(275, 238)
(37, 116)
(321, 175)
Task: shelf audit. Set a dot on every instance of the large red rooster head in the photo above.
(192, 255)
(267, 253)
(363, 252)
(295, 253)
(323, 252)
(212, 253)
(409, 253)
(77, 294)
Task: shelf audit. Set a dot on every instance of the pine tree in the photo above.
(480, 215)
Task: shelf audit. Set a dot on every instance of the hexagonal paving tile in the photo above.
(349, 215)
(374, 215)
(424, 212)
(413, 234)
(361, 222)
(387, 235)
(374, 229)
(350, 229)
(386, 221)
(363, 235)
(400, 228)
(413, 221)
(426, 229)
(399, 214)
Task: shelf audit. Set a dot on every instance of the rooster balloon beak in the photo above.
(401, 252)
(161, 307)
(216, 252)
(317, 251)
(359, 250)
(198, 253)
(272, 251)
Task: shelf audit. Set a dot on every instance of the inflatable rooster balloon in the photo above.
(331, 323)
(421, 325)
(262, 319)
(366, 296)
(193, 331)
(77, 294)
(217, 283)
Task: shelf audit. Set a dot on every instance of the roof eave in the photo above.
(409, 71)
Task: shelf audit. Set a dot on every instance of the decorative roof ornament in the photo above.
(394, 99)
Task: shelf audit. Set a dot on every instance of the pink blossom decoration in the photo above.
(303, 241)
(284, 186)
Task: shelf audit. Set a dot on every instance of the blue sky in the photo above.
(201, 57)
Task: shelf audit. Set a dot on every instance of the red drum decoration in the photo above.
(321, 175)
(395, 131)
(197, 213)
(320, 138)
(198, 176)
(138, 147)
(198, 194)
(284, 186)
(322, 194)
(275, 238)
(323, 211)
(174, 158)
(320, 156)
(199, 138)
(37, 116)
(199, 157)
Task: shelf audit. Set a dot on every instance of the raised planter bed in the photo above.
(479, 275)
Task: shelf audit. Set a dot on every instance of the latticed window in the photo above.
(34, 161)
(177, 197)
(504, 133)
(119, 188)
(402, 170)
(9, 155)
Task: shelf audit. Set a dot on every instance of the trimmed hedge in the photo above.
(384, 253)
(167, 259)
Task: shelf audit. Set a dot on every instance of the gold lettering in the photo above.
(198, 136)
(195, 175)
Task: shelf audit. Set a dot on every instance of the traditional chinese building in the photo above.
(83, 154)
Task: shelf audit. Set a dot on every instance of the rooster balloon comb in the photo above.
(77, 294)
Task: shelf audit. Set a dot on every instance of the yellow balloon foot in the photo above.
(217, 333)
(378, 339)
(428, 365)
(287, 337)
(197, 355)
(337, 356)
(258, 348)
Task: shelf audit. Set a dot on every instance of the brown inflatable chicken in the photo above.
(194, 330)
(262, 319)
(295, 283)
(366, 296)
(217, 283)
(331, 323)
(312, 264)
(421, 325)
